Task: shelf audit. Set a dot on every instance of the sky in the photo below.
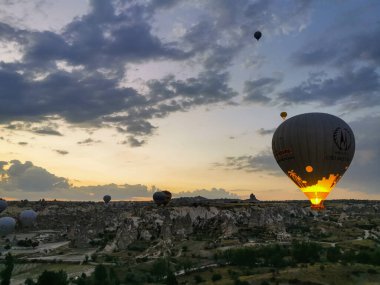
(129, 97)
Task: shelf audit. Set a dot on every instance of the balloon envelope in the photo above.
(314, 150)
(7, 225)
(28, 217)
(283, 115)
(107, 199)
(3, 205)
(162, 197)
(257, 35)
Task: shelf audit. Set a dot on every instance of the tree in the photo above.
(216, 277)
(160, 268)
(53, 278)
(29, 281)
(100, 274)
(6, 274)
(171, 279)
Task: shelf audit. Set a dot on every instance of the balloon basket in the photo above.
(319, 207)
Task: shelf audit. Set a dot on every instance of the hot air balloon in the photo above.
(283, 115)
(314, 150)
(107, 199)
(7, 225)
(162, 197)
(27, 218)
(257, 35)
(3, 205)
(168, 195)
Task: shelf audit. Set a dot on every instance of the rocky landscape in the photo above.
(134, 233)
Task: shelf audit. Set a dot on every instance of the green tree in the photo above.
(160, 268)
(333, 254)
(216, 277)
(29, 281)
(6, 274)
(100, 274)
(52, 278)
(171, 279)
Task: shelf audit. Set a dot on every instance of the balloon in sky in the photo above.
(3, 205)
(257, 35)
(107, 199)
(314, 150)
(283, 115)
(162, 197)
(7, 225)
(27, 218)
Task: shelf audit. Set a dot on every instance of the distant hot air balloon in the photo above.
(27, 218)
(162, 197)
(7, 225)
(107, 199)
(257, 35)
(3, 205)
(314, 150)
(168, 196)
(283, 115)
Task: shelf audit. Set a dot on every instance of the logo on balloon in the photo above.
(342, 138)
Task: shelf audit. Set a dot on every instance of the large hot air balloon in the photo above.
(314, 150)
(27, 218)
(107, 199)
(162, 197)
(283, 115)
(257, 35)
(3, 205)
(7, 225)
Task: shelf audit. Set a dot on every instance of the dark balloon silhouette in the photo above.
(3, 205)
(162, 197)
(283, 115)
(257, 35)
(27, 218)
(107, 199)
(314, 150)
(7, 225)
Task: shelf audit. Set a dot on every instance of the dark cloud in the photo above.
(62, 152)
(361, 45)
(214, 193)
(27, 180)
(264, 132)
(354, 89)
(77, 74)
(88, 141)
(47, 131)
(30, 178)
(363, 173)
(257, 91)
(133, 142)
(261, 162)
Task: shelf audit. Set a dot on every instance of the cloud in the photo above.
(30, 178)
(22, 143)
(257, 90)
(361, 45)
(78, 74)
(214, 193)
(264, 132)
(89, 141)
(25, 180)
(62, 152)
(261, 162)
(354, 89)
(363, 173)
